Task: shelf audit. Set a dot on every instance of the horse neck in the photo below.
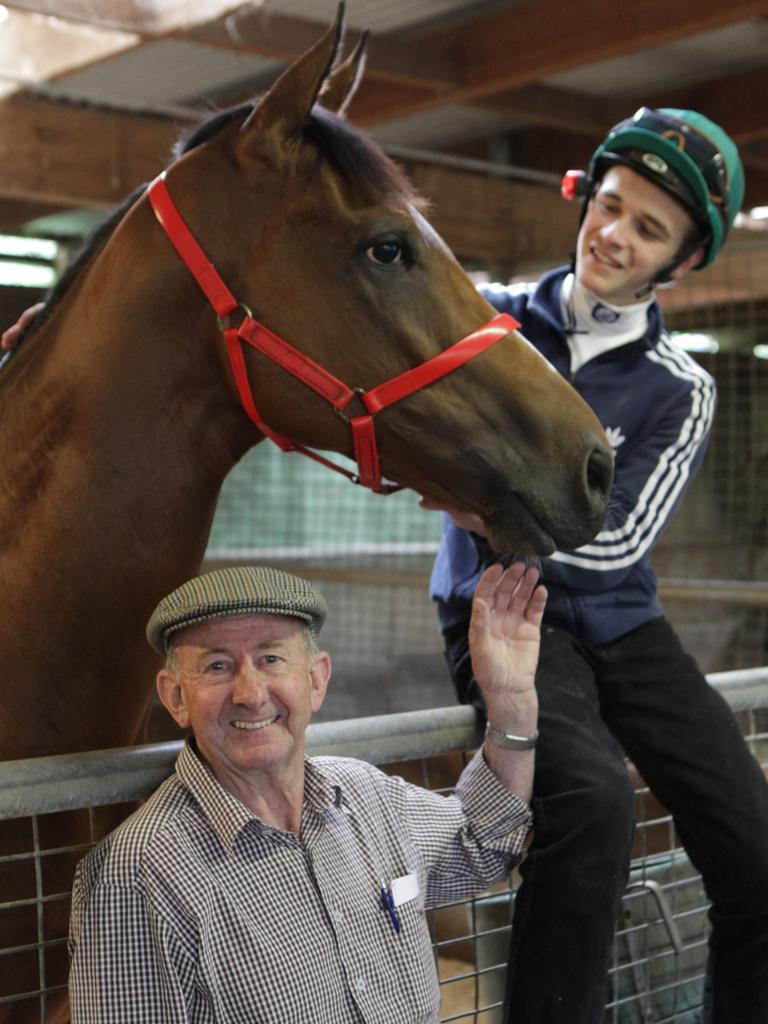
(118, 428)
(116, 431)
(130, 368)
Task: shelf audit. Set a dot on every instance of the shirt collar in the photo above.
(227, 815)
(585, 312)
(546, 301)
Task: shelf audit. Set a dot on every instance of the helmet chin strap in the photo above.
(664, 276)
(646, 290)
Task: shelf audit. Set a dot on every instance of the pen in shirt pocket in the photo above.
(388, 904)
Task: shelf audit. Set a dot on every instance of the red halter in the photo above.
(301, 366)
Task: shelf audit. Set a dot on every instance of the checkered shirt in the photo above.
(194, 910)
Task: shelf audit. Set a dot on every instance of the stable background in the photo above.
(486, 104)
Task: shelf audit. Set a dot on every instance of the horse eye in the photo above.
(385, 253)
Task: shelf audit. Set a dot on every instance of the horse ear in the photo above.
(276, 122)
(341, 85)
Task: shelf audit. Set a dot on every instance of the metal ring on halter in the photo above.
(241, 305)
(344, 417)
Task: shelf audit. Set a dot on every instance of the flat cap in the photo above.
(240, 590)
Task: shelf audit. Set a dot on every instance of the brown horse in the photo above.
(119, 416)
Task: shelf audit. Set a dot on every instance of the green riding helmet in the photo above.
(687, 155)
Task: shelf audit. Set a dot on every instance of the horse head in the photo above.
(321, 235)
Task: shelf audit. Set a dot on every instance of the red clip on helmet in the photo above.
(575, 185)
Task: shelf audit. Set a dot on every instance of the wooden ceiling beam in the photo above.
(77, 156)
(481, 218)
(734, 101)
(542, 37)
(556, 108)
(516, 47)
(492, 59)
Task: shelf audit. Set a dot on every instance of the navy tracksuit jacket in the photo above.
(656, 405)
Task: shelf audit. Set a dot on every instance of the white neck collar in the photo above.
(585, 312)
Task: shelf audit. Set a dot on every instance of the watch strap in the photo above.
(509, 741)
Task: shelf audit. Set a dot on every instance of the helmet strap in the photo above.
(664, 276)
(644, 292)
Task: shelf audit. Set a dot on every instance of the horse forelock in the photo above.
(359, 161)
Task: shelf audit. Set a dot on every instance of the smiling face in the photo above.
(632, 230)
(247, 686)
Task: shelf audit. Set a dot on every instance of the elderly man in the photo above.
(261, 885)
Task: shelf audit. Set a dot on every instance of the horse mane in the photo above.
(359, 161)
(92, 244)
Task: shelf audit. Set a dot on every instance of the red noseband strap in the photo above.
(299, 365)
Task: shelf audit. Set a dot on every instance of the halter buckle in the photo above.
(247, 315)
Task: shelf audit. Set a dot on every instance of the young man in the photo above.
(661, 193)
(261, 885)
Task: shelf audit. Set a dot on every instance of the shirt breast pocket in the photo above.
(410, 948)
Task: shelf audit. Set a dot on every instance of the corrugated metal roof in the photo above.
(737, 47)
(376, 15)
(162, 74)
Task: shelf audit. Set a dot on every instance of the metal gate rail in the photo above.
(44, 784)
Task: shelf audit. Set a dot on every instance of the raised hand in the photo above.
(504, 630)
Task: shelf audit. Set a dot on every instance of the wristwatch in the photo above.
(509, 741)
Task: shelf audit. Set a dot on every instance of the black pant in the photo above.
(644, 695)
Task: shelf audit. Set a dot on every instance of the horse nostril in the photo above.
(599, 473)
